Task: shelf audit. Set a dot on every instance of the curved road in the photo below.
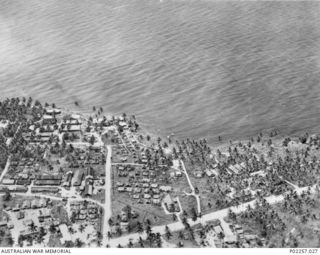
(176, 226)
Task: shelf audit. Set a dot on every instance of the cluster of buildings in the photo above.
(30, 215)
(35, 203)
(84, 211)
(86, 157)
(15, 189)
(130, 144)
(52, 126)
(124, 221)
(141, 184)
(223, 235)
(25, 179)
(82, 179)
(45, 158)
(171, 204)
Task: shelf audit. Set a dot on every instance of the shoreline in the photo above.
(212, 139)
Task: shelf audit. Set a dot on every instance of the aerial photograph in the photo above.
(159, 124)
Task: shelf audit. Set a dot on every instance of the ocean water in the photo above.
(192, 68)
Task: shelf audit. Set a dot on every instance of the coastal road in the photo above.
(177, 226)
(107, 205)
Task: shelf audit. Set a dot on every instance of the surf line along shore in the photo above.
(35, 251)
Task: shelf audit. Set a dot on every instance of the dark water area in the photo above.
(193, 68)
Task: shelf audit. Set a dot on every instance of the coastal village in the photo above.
(70, 180)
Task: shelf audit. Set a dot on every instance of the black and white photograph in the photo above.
(159, 124)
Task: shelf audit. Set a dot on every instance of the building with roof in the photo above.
(77, 178)
(20, 215)
(165, 188)
(3, 223)
(35, 204)
(44, 214)
(44, 189)
(52, 111)
(7, 181)
(48, 119)
(26, 204)
(67, 179)
(88, 190)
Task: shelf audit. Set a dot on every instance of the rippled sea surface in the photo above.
(193, 68)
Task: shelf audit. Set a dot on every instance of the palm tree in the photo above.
(180, 244)
(141, 242)
(174, 217)
(99, 235)
(7, 196)
(20, 240)
(148, 229)
(119, 232)
(71, 230)
(52, 229)
(32, 227)
(78, 243)
(81, 228)
(168, 233)
(139, 227)
(10, 241)
(40, 239)
(130, 244)
(150, 238)
(159, 242)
